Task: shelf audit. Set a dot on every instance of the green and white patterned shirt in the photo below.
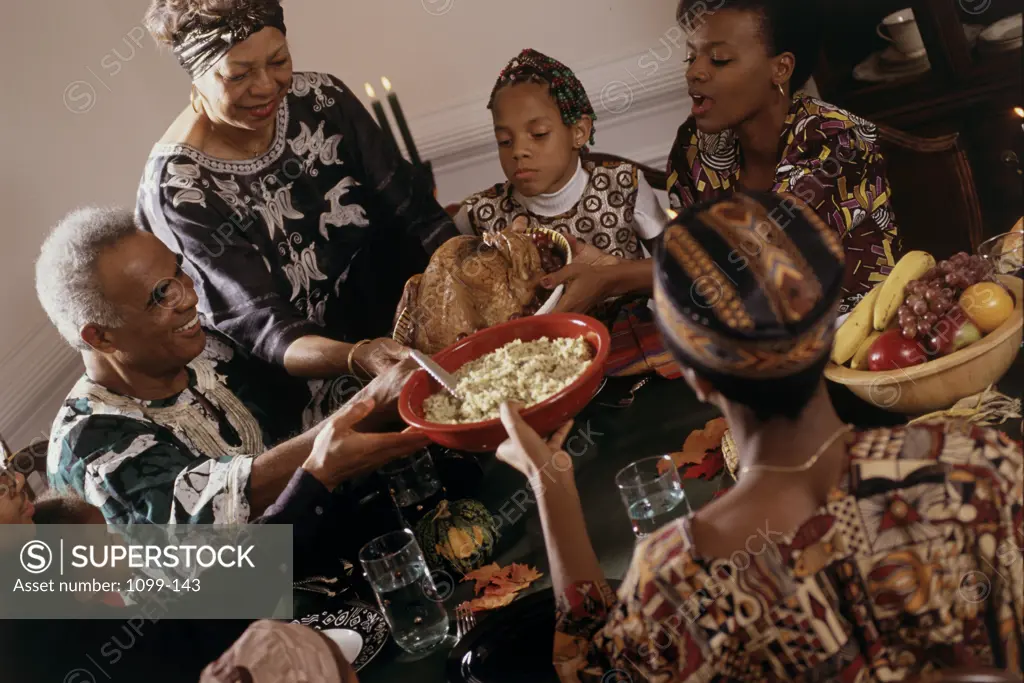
(184, 459)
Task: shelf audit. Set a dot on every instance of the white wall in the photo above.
(87, 92)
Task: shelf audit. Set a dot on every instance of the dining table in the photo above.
(610, 433)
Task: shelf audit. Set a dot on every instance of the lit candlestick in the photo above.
(382, 118)
(1019, 111)
(403, 126)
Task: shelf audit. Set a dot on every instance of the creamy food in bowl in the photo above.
(524, 372)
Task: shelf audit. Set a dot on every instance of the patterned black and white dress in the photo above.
(316, 236)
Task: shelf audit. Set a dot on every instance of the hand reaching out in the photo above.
(587, 254)
(385, 389)
(524, 449)
(340, 452)
(376, 356)
(589, 280)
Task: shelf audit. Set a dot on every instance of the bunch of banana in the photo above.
(910, 267)
(856, 328)
(877, 310)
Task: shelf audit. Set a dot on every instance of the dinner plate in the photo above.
(873, 70)
(997, 48)
(1003, 31)
(348, 641)
(898, 59)
(509, 645)
(359, 631)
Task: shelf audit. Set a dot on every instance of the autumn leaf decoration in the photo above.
(498, 586)
(701, 457)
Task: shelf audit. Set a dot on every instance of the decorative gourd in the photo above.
(460, 533)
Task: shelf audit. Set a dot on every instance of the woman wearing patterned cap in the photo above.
(298, 223)
(898, 551)
(750, 129)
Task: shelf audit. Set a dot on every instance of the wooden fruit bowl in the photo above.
(939, 383)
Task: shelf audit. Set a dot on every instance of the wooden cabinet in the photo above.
(967, 91)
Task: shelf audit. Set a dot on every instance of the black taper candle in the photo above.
(403, 126)
(382, 118)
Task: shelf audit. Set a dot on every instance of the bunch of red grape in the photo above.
(936, 292)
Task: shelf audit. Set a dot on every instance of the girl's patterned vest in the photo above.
(603, 217)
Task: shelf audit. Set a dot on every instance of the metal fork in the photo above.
(626, 401)
(465, 620)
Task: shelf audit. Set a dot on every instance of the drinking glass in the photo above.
(652, 492)
(1005, 253)
(414, 485)
(395, 567)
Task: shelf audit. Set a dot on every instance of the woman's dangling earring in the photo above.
(781, 91)
(192, 99)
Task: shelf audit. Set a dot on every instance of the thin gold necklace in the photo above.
(249, 154)
(808, 464)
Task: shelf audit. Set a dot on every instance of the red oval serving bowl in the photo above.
(545, 417)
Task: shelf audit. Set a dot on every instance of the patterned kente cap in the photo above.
(749, 286)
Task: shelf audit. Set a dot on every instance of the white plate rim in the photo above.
(1002, 30)
(314, 621)
(869, 71)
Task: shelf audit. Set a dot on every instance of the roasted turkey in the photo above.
(472, 283)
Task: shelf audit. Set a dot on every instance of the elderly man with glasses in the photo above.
(165, 425)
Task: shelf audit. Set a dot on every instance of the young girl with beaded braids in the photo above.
(543, 121)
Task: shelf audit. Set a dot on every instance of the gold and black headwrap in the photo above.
(749, 286)
(203, 40)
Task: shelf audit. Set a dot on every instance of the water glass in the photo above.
(414, 485)
(395, 567)
(652, 493)
(1005, 253)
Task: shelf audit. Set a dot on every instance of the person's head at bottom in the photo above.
(274, 652)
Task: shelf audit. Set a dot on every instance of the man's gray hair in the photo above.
(66, 278)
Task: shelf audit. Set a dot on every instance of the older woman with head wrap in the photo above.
(898, 551)
(297, 220)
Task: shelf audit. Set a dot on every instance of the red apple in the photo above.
(892, 350)
(952, 332)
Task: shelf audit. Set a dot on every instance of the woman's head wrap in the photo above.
(749, 286)
(203, 39)
(570, 95)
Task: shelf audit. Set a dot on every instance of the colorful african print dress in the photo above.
(609, 206)
(317, 236)
(830, 158)
(914, 564)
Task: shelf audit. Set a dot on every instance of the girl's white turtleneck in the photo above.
(648, 222)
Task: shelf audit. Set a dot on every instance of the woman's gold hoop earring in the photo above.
(192, 99)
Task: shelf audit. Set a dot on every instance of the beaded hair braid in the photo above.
(531, 66)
